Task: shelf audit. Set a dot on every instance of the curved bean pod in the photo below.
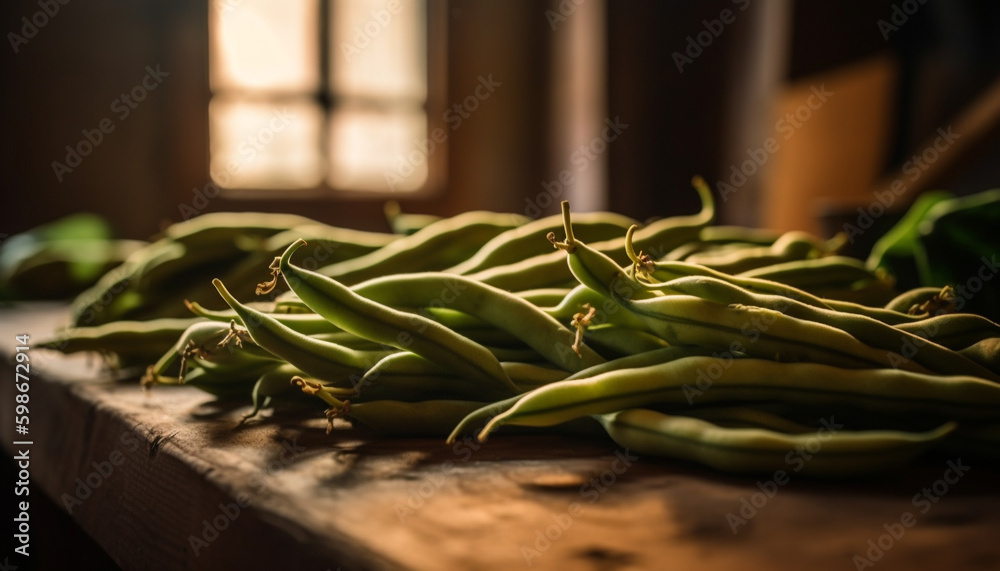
(529, 240)
(659, 237)
(366, 318)
(434, 247)
(820, 272)
(323, 360)
(757, 450)
(759, 332)
(911, 300)
(479, 418)
(865, 329)
(954, 331)
(506, 311)
(707, 380)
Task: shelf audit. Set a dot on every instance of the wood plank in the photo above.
(354, 500)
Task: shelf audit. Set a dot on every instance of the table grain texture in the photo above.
(165, 479)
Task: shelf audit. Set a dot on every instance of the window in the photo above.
(319, 94)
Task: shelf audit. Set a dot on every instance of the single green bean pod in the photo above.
(366, 318)
(757, 450)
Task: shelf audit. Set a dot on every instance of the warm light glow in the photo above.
(264, 57)
(375, 150)
(379, 53)
(265, 45)
(266, 145)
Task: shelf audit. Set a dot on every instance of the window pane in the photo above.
(266, 145)
(378, 150)
(379, 49)
(264, 45)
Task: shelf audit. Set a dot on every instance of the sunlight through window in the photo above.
(314, 93)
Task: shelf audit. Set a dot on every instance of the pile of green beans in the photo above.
(718, 345)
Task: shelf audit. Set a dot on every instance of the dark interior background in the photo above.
(893, 90)
(941, 60)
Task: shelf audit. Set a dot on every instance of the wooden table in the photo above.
(165, 480)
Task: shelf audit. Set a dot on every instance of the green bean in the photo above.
(874, 292)
(304, 323)
(747, 417)
(790, 246)
(405, 223)
(361, 316)
(480, 417)
(708, 380)
(112, 296)
(270, 384)
(201, 338)
(180, 261)
(666, 271)
(501, 309)
(986, 353)
(640, 360)
(435, 247)
(608, 310)
(424, 418)
(622, 341)
(528, 240)
(526, 355)
(320, 359)
(133, 337)
(759, 332)
(335, 242)
(865, 329)
(910, 301)
(685, 251)
(218, 227)
(541, 271)
(548, 270)
(738, 234)
(756, 450)
(954, 331)
(406, 376)
(223, 385)
(288, 302)
(544, 297)
(820, 272)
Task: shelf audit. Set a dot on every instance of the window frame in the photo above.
(434, 107)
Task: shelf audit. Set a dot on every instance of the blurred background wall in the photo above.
(794, 111)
